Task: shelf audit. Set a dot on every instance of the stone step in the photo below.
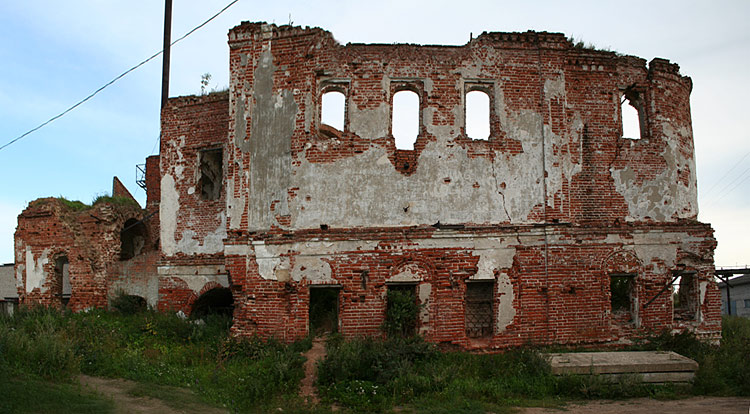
(651, 366)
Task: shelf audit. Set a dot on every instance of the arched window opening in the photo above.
(631, 119)
(478, 115)
(132, 239)
(217, 301)
(62, 279)
(405, 125)
(333, 105)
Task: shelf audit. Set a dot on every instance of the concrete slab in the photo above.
(653, 366)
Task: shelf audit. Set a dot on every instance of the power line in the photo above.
(725, 174)
(63, 113)
(724, 193)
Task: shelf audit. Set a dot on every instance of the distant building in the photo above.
(8, 290)
(739, 296)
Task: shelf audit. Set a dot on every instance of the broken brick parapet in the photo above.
(555, 133)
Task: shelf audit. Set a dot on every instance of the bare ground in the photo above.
(313, 355)
(119, 391)
(698, 405)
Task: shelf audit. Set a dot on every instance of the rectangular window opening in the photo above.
(211, 174)
(622, 295)
(479, 318)
(685, 298)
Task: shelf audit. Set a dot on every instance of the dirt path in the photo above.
(316, 353)
(697, 405)
(119, 390)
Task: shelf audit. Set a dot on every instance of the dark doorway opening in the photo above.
(324, 310)
(217, 301)
(478, 317)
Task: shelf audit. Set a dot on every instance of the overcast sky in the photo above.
(54, 53)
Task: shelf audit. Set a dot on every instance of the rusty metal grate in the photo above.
(479, 309)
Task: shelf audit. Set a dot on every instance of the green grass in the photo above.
(184, 363)
(374, 376)
(119, 200)
(39, 397)
(151, 348)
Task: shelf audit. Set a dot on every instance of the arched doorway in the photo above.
(217, 301)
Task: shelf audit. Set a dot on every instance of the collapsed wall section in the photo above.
(64, 250)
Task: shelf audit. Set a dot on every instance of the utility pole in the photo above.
(165, 54)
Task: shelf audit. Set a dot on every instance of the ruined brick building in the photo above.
(552, 228)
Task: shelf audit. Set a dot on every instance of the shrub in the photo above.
(401, 314)
(127, 304)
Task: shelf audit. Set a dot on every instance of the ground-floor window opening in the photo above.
(479, 315)
(62, 280)
(217, 301)
(324, 310)
(132, 239)
(622, 295)
(402, 310)
(685, 297)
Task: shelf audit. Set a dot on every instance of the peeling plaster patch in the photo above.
(308, 112)
(555, 87)
(424, 291)
(369, 123)
(196, 283)
(20, 269)
(408, 274)
(269, 261)
(702, 289)
(240, 125)
(311, 268)
(493, 260)
(656, 246)
(168, 214)
(236, 205)
(212, 243)
(274, 115)
(375, 194)
(35, 269)
(148, 291)
(566, 167)
(191, 270)
(505, 310)
(662, 198)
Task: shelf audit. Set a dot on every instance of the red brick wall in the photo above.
(89, 238)
(189, 125)
(602, 204)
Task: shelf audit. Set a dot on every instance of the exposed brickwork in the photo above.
(48, 230)
(254, 194)
(548, 208)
